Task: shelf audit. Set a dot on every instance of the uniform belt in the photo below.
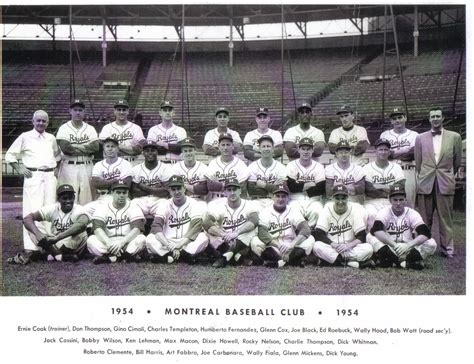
(167, 162)
(41, 170)
(407, 167)
(74, 162)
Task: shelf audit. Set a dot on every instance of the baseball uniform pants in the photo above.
(259, 246)
(359, 253)
(97, 248)
(372, 207)
(78, 176)
(246, 239)
(76, 243)
(194, 247)
(310, 209)
(147, 204)
(426, 249)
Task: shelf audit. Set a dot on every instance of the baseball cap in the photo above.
(305, 105)
(121, 103)
(282, 188)
(397, 190)
(110, 139)
(262, 110)
(343, 144)
(344, 109)
(166, 103)
(150, 144)
(226, 136)
(77, 102)
(305, 141)
(232, 182)
(64, 189)
(188, 142)
(265, 137)
(176, 181)
(120, 184)
(340, 190)
(222, 109)
(382, 141)
(397, 111)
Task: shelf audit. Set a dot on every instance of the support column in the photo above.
(104, 43)
(231, 42)
(416, 33)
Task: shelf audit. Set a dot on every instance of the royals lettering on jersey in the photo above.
(233, 223)
(344, 180)
(122, 137)
(270, 178)
(303, 177)
(62, 225)
(339, 229)
(404, 142)
(177, 221)
(151, 182)
(353, 139)
(279, 227)
(223, 176)
(170, 138)
(78, 140)
(397, 229)
(112, 174)
(113, 223)
(390, 178)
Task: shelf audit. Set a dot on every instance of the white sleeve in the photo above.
(46, 212)
(126, 169)
(323, 220)
(277, 139)
(152, 134)
(105, 132)
(333, 137)
(137, 134)
(100, 212)
(209, 138)
(362, 134)
(291, 170)
(13, 153)
(242, 171)
(415, 219)
(264, 218)
(97, 169)
(248, 139)
(136, 213)
(162, 209)
(236, 137)
(399, 175)
(61, 133)
(358, 218)
(136, 173)
(181, 134)
(290, 135)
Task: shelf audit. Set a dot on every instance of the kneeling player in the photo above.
(399, 235)
(176, 231)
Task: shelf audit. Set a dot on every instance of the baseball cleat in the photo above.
(18, 259)
(353, 264)
(101, 260)
(415, 265)
(220, 262)
(73, 258)
(367, 264)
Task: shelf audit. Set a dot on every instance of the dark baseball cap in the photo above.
(282, 188)
(340, 190)
(262, 110)
(222, 109)
(227, 136)
(166, 103)
(120, 184)
(343, 144)
(397, 190)
(397, 111)
(121, 103)
(150, 144)
(77, 102)
(176, 181)
(306, 141)
(265, 137)
(65, 189)
(382, 141)
(232, 182)
(305, 105)
(344, 109)
(110, 139)
(188, 142)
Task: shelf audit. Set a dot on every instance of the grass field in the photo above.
(440, 277)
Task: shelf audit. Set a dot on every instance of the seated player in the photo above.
(284, 234)
(399, 235)
(340, 234)
(117, 227)
(177, 230)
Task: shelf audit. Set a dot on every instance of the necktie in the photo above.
(435, 132)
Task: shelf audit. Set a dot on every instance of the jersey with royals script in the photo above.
(347, 177)
(311, 175)
(386, 176)
(281, 225)
(342, 228)
(129, 134)
(177, 219)
(402, 227)
(252, 137)
(295, 134)
(228, 218)
(173, 135)
(224, 171)
(77, 136)
(120, 169)
(258, 172)
(190, 175)
(61, 221)
(212, 137)
(352, 136)
(155, 177)
(400, 142)
(117, 221)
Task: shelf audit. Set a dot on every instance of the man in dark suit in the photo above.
(438, 157)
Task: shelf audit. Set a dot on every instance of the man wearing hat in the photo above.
(379, 176)
(230, 224)
(211, 139)
(118, 228)
(284, 234)
(78, 142)
(129, 135)
(167, 135)
(177, 229)
(344, 172)
(306, 182)
(403, 150)
(340, 234)
(192, 171)
(304, 129)
(251, 144)
(225, 167)
(355, 135)
(399, 236)
(66, 239)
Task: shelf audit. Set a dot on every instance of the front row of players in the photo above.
(230, 230)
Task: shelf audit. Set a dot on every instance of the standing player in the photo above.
(340, 233)
(167, 135)
(129, 135)
(78, 142)
(39, 154)
(403, 150)
(211, 139)
(304, 129)
(118, 227)
(399, 235)
(355, 135)
(251, 144)
(177, 229)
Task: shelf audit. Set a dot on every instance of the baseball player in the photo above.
(251, 144)
(129, 135)
(355, 135)
(177, 229)
(230, 225)
(224, 167)
(211, 139)
(379, 176)
(118, 227)
(340, 234)
(66, 240)
(284, 234)
(344, 172)
(192, 172)
(402, 150)
(167, 135)
(265, 173)
(304, 129)
(306, 182)
(399, 235)
(39, 154)
(78, 142)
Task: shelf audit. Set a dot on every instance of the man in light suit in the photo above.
(438, 156)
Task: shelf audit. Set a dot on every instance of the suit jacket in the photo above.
(449, 161)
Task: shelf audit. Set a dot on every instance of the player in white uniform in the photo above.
(224, 167)
(266, 174)
(344, 172)
(284, 234)
(355, 135)
(399, 235)
(231, 225)
(402, 151)
(192, 171)
(251, 144)
(39, 154)
(66, 239)
(129, 135)
(177, 229)
(118, 227)
(167, 135)
(304, 129)
(78, 142)
(341, 233)
(306, 182)
(210, 145)
(379, 176)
